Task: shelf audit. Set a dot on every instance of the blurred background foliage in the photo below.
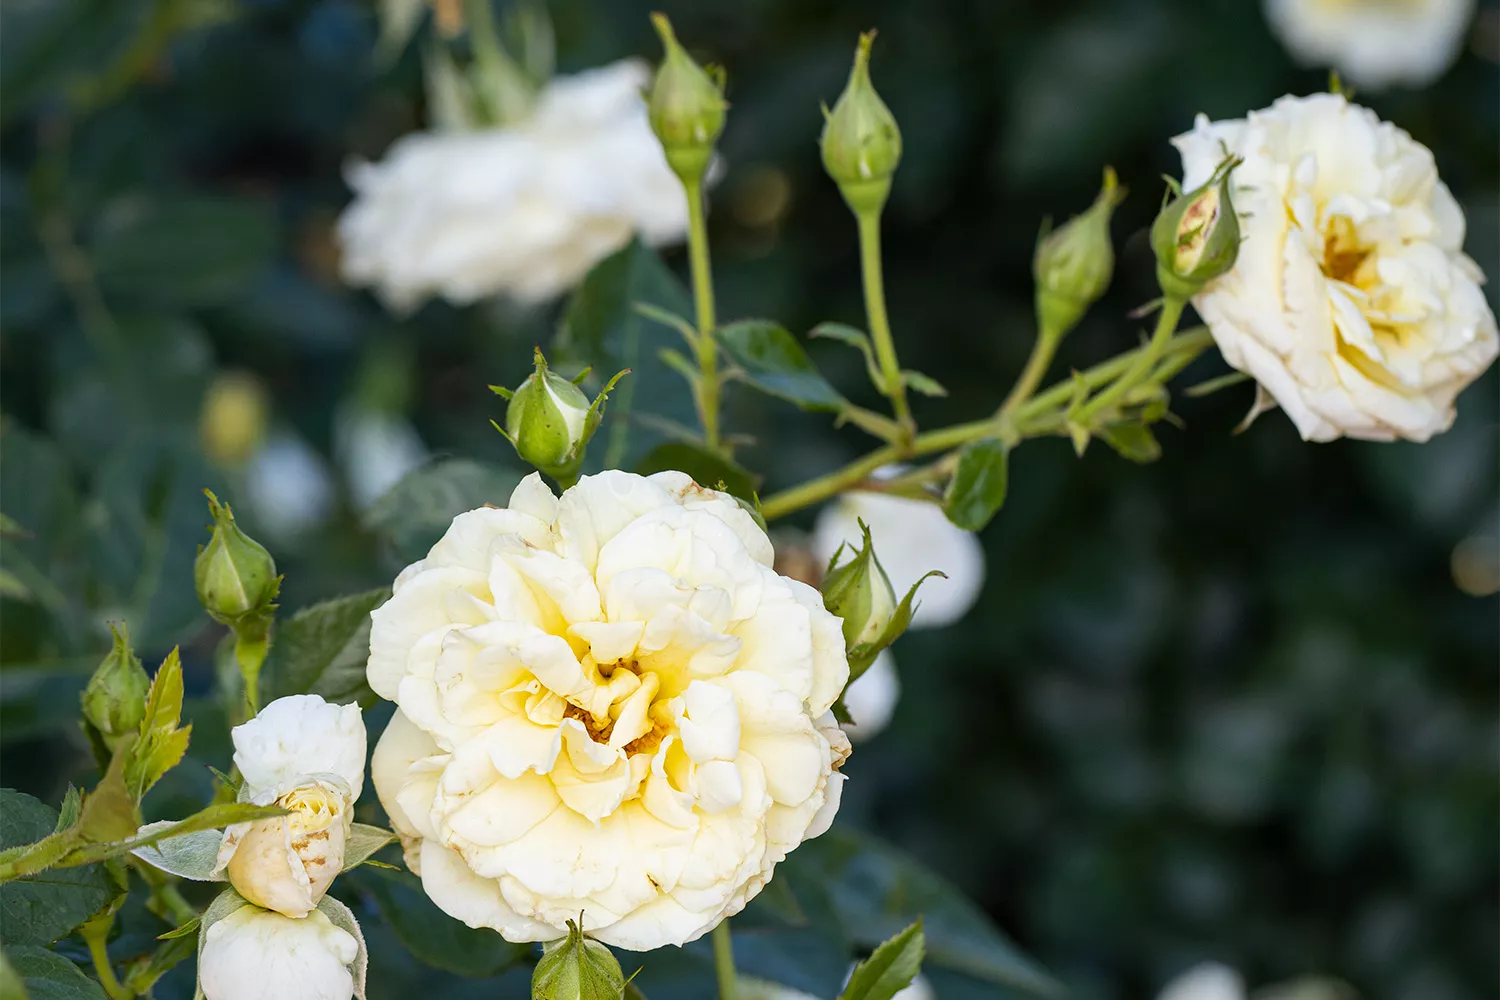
(1239, 704)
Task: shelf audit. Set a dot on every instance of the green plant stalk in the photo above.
(1145, 360)
(724, 961)
(252, 641)
(1029, 419)
(1031, 376)
(707, 389)
(165, 901)
(880, 324)
(95, 934)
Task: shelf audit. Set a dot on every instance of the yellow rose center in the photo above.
(312, 808)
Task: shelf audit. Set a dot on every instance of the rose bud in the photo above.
(115, 700)
(686, 107)
(861, 143)
(1074, 262)
(577, 968)
(1196, 237)
(234, 574)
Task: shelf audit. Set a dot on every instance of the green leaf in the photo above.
(110, 812)
(1133, 441)
(977, 490)
(162, 743)
(890, 969)
(184, 251)
(846, 334)
(925, 384)
(707, 468)
(322, 650)
(773, 362)
(41, 908)
(364, 841)
(877, 891)
(48, 975)
(188, 855)
(430, 934)
(341, 917)
(603, 326)
(415, 512)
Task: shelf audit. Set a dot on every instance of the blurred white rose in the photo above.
(376, 449)
(609, 704)
(1373, 43)
(1351, 303)
(254, 954)
(911, 538)
(522, 211)
(307, 756)
(288, 487)
(871, 699)
(1209, 981)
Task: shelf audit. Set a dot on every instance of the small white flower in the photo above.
(911, 538)
(1373, 43)
(871, 699)
(254, 954)
(1209, 981)
(306, 756)
(609, 704)
(288, 487)
(376, 450)
(522, 212)
(1352, 302)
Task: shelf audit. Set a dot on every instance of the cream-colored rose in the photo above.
(911, 538)
(306, 756)
(1373, 43)
(521, 212)
(1352, 302)
(254, 954)
(609, 704)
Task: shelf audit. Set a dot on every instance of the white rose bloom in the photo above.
(609, 704)
(911, 537)
(1351, 303)
(307, 756)
(1209, 981)
(871, 698)
(522, 212)
(1373, 43)
(254, 954)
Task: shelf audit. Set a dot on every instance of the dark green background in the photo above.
(1231, 705)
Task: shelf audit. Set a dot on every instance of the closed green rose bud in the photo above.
(685, 106)
(234, 574)
(576, 968)
(549, 420)
(115, 700)
(1074, 262)
(861, 143)
(859, 592)
(1196, 237)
